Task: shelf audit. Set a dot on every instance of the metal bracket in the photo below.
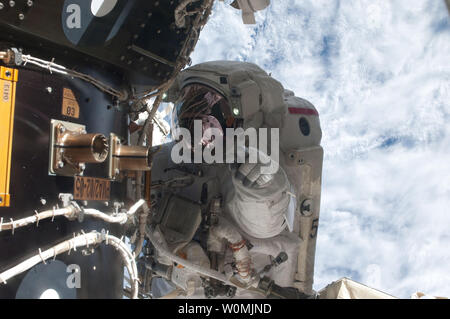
(127, 158)
(66, 199)
(71, 147)
(56, 163)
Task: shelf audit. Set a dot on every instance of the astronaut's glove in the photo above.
(255, 175)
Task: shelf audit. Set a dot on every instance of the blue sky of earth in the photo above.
(379, 74)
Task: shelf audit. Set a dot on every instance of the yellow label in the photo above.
(8, 78)
(70, 106)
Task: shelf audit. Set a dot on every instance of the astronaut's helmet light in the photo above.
(198, 102)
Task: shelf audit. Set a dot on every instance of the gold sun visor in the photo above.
(8, 80)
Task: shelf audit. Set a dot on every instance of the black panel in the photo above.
(30, 182)
(138, 37)
(135, 45)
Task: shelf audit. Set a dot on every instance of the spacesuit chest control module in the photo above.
(236, 195)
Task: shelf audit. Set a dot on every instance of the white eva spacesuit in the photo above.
(234, 222)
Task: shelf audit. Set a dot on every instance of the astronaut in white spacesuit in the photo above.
(234, 229)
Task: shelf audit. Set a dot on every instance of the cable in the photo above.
(183, 262)
(160, 123)
(68, 212)
(120, 218)
(72, 212)
(53, 67)
(81, 240)
(142, 224)
(183, 58)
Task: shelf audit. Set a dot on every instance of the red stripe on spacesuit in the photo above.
(303, 111)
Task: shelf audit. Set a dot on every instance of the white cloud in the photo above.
(379, 73)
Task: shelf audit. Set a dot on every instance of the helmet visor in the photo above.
(201, 103)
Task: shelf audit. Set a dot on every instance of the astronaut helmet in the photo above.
(201, 103)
